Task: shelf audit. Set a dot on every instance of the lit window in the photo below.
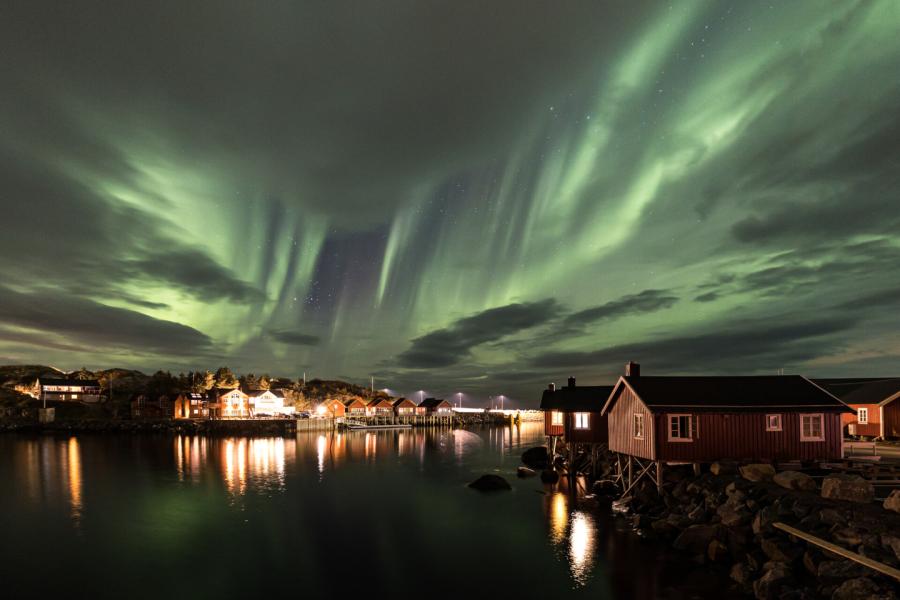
(680, 428)
(638, 425)
(811, 428)
(862, 415)
(556, 418)
(773, 422)
(582, 420)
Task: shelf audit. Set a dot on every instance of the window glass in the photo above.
(638, 425)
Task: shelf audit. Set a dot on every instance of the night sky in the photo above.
(455, 196)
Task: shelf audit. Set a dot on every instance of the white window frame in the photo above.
(773, 426)
(813, 438)
(637, 426)
(557, 418)
(582, 420)
(673, 418)
(862, 416)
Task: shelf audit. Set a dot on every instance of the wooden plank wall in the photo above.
(892, 419)
(597, 434)
(873, 428)
(621, 418)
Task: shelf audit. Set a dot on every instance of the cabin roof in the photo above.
(432, 402)
(379, 402)
(279, 393)
(870, 390)
(579, 397)
(400, 401)
(73, 382)
(729, 393)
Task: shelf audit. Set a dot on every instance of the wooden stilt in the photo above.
(659, 476)
(696, 469)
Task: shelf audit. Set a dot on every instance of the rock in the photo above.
(490, 483)
(537, 458)
(861, 588)
(525, 472)
(780, 550)
(732, 517)
(831, 516)
(696, 538)
(811, 560)
(663, 528)
(604, 487)
(640, 521)
(847, 537)
(717, 551)
(851, 488)
(892, 502)
(757, 472)
(769, 585)
(890, 542)
(722, 468)
(549, 476)
(698, 515)
(839, 570)
(794, 480)
(741, 573)
(762, 521)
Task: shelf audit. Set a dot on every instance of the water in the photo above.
(382, 513)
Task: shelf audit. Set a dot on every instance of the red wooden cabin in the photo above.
(355, 407)
(574, 412)
(435, 406)
(876, 402)
(380, 407)
(705, 419)
(404, 407)
(334, 408)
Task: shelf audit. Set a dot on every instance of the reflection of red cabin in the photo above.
(574, 412)
(404, 407)
(355, 407)
(334, 408)
(705, 419)
(875, 401)
(380, 407)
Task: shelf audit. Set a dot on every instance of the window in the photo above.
(582, 420)
(862, 415)
(811, 428)
(680, 428)
(638, 425)
(773, 422)
(556, 418)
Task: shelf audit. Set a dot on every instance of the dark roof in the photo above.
(400, 401)
(432, 402)
(279, 393)
(81, 382)
(732, 393)
(869, 390)
(579, 397)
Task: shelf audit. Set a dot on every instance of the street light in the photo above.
(501, 401)
(459, 399)
(421, 396)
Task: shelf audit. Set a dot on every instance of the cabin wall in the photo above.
(873, 428)
(620, 427)
(549, 427)
(596, 433)
(743, 436)
(891, 414)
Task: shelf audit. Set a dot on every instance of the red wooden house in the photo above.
(333, 408)
(191, 405)
(875, 401)
(574, 413)
(355, 407)
(380, 407)
(404, 407)
(435, 406)
(706, 419)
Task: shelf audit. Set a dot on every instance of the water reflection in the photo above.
(73, 453)
(572, 531)
(51, 468)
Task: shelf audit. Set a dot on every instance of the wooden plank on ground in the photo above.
(859, 558)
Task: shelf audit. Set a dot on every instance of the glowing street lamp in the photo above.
(501, 401)
(459, 399)
(421, 396)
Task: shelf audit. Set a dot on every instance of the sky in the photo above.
(452, 196)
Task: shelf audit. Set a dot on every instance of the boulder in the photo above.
(795, 480)
(537, 458)
(717, 551)
(757, 472)
(549, 476)
(732, 517)
(847, 536)
(812, 560)
(851, 488)
(762, 522)
(525, 472)
(722, 468)
(890, 542)
(861, 588)
(741, 573)
(832, 516)
(770, 585)
(892, 502)
(604, 487)
(490, 483)
(780, 550)
(696, 538)
(838, 570)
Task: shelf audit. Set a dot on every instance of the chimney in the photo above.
(552, 387)
(632, 369)
(571, 382)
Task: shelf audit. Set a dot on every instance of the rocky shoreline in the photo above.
(723, 520)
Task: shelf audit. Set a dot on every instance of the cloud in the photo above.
(641, 303)
(294, 338)
(450, 345)
(707, 297)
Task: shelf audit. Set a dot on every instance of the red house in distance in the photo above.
(573, 414)
(875, 401)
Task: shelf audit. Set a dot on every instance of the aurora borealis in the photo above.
(455, 196)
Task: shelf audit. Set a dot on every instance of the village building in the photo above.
(332, 408)
(875, 401)
(78, 390)
(191, 405)
(573, 413)
(355, 407)
(436, 406)
(380, 407)
(268, 403)
(227, 403)
(657, 420)
(145, 407)
(404, 407)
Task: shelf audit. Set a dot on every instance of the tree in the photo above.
(249, 380)
(225, 378)
(264, 382)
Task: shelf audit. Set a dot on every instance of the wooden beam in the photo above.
(863, 560)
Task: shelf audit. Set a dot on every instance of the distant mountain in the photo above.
(13, 375)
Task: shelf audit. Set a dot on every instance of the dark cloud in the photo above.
(640, 303)
(99, 328)
(449, 346)
(294, 338)
(707, 297)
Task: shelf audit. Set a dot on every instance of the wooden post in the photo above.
(659, 476)
(629, 471)
(696, 469)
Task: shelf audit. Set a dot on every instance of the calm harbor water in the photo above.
(382, 513)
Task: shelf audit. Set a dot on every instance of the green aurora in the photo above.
(452, 196)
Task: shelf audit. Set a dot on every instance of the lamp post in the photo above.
(459, 399)
(501, 401)
(421, 396)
